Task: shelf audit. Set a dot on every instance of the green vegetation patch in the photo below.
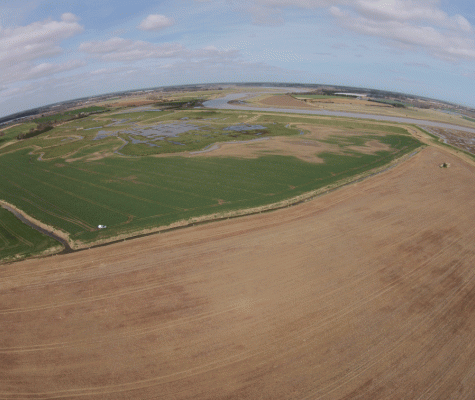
(120, 132)
(41, 128)
(395, 103)
(18, 240)
(131, 194)
(10, 134)
(14, 131)
(203, 136)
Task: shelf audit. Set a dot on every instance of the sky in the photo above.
(56, 50)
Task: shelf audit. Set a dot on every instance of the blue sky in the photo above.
(52, 50)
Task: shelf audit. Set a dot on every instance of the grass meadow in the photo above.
(18, 240)
(131, 194)
(53, 178)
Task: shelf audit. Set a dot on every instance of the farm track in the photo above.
(367, 292)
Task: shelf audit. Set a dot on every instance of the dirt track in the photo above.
(366, 293)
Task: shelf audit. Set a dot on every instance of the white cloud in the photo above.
(470, 75)
(46, 69)
(401, 10)
(103, 71)
(418, 65)
(445, 44)
(409, 10)
(264, 15)
(297, 3)
(69, 17)
(277, 55)
(212, 53)
(118, 49)
(155, 22)
(29, 71)
(35, 41)
(270, 12)
(126, 77)
(7, 93)
(23, 46)
(412, 24)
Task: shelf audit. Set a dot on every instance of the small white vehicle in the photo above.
(101, 226)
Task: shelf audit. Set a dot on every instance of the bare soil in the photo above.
(365, 293)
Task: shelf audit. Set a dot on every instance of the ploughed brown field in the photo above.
(364, 293)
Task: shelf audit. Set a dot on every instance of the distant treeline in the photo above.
(70, 115)
(393, 103)
(23, 114)
(46, 123)
(41, 128)
(180, 103)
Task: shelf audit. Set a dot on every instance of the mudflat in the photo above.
(365, 293)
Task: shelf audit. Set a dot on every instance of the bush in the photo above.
(41, 128)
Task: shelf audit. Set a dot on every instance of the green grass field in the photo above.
(11, 133)
(136, 192)
(130, 194)
(18, 241)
